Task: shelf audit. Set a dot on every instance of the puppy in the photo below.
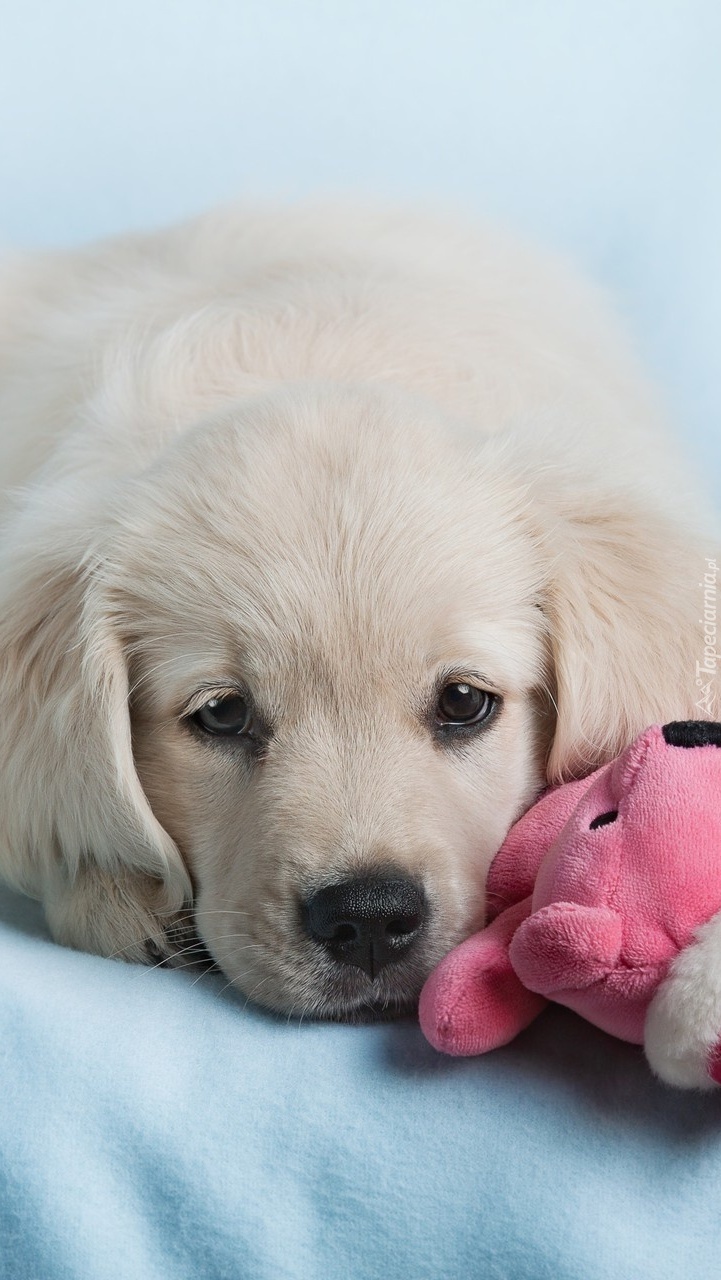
(330, 538)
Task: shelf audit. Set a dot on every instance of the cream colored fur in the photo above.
(328, 454)
(682, 1024)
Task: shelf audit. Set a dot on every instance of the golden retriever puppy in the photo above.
(330, 538)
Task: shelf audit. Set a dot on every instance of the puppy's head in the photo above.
(304, 676)
(335, 651)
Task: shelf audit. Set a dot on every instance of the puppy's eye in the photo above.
(226, 717)
(464, 704)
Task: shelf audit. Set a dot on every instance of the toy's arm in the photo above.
(473, 1000)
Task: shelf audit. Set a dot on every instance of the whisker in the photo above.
(204, 973)
(255, 990)
(192, 964)
(250, 946)
(167, 961)
(258, 946)
(252, 994)
(136, 942)
(222, 911)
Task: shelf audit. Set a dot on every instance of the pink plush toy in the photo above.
(594, 893)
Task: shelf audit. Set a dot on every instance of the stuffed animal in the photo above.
(594, 893)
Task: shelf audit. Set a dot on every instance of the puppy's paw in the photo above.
(682, 1036)
(119, 915)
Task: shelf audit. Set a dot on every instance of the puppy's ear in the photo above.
(623, 602)
(76, 829)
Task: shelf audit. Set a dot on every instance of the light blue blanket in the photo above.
(153, 1128)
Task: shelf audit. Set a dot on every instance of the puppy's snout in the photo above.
(368, 921)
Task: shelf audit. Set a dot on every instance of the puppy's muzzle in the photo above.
(367, 921)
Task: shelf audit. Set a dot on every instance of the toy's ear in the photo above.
(622, 604)
(74, 820)
(513, 872)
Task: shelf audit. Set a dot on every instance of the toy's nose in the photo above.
(566, 947)
(692, 733)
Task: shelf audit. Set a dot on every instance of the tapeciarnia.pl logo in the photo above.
(707, 669)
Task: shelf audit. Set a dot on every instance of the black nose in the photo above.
(369, 921)
(692, 733)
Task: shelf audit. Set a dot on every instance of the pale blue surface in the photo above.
(154, 1129)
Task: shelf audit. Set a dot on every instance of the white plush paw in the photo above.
(683, 1023)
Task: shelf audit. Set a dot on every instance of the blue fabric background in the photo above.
(152, 1128)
